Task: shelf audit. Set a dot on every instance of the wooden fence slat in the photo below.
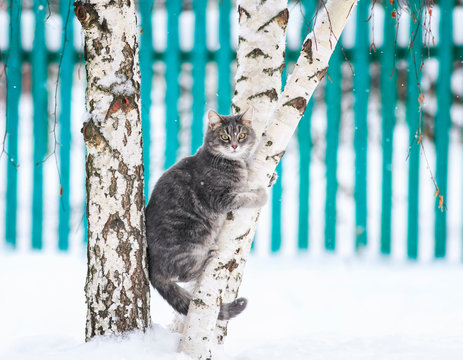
(333, 96)
(40, 118)
(388, 89)
(305, 148)
(361, 92)
(277, 191)
(13, 93)
(413, 119)
(443, 121)
(65, 79)
(146, 73)
(199, 74)
(304, 139)
(172, 88)
(224, 56)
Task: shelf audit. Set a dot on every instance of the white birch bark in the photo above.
(260, 58)
(117, 288)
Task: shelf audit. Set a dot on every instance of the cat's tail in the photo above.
(179, 299)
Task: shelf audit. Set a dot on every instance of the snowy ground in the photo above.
(299, 308)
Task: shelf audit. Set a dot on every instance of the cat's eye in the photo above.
(242, 136)
(225, 137)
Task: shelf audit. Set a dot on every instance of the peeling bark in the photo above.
(218, 284)
(117, 287)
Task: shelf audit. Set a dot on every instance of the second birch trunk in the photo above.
(117, 288)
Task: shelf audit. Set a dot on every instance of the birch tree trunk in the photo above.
(224, 273)
(117, 287)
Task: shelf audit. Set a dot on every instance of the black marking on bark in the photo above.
(139, 196)
(128, 127)
(276, 157)
(271, 94)
(230, 216)
(126, 67)
(97, 46)
(243, 11)
(281, 19)
(273, 179)
(269, 143)
(116, 124)
(88, 16)
(93, 136)
(307, 50)
(236, 108)
(271, 71)
(114, 223)
(231, 265)
(113, 186)
(298, 103)
(241, 237)
(320, 74)
(242, 78)
(123, 249)
(256, 53)
(199, 302)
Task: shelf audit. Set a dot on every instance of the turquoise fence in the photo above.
(381, 80)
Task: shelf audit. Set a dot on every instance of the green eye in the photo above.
(242, 136)
(225, 137)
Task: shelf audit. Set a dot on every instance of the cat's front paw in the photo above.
(261, 197)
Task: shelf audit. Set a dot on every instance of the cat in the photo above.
(190, 202)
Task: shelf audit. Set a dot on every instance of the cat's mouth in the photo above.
(233, 153)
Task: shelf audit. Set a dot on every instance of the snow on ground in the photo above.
(299, 308)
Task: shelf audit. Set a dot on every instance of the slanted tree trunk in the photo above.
(117, 287)
(223, 275)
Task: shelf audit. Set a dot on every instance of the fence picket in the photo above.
(413, 120)
(361, 92)
(199, 74)
(443, 121)
(40, 118)
(277, 189)
(13, 93)
(333, 100)
(146, 73)
(305, 145)
(223, 60)
(388, 89)
(305, 148)
(174, 9)
(65, 80)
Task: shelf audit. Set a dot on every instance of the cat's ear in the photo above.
(214, 118)
(248, 116)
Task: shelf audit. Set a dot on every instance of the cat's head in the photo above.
(231, 136)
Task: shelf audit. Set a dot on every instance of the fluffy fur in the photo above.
(189, 204)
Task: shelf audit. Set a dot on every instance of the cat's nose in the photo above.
(234, 147)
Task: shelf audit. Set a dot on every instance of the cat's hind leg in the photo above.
(191, 264)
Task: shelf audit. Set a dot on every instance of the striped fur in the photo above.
(188, 206)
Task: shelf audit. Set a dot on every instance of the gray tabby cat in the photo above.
(189, 204)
